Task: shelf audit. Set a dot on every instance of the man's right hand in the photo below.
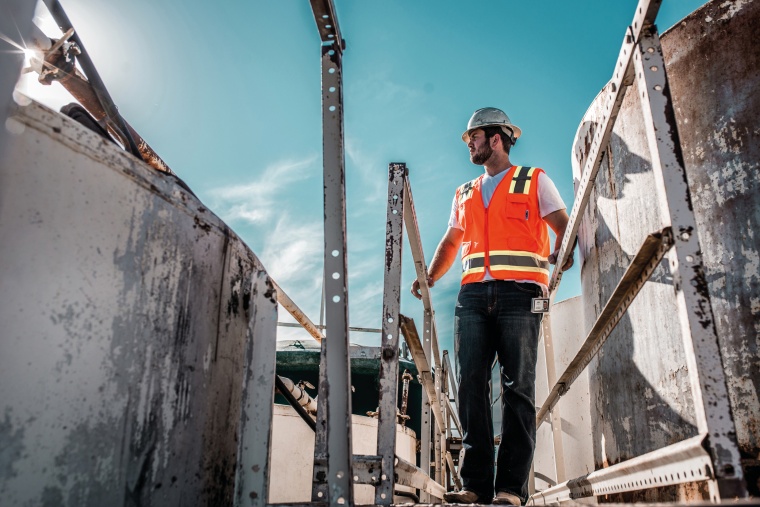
(416, 287)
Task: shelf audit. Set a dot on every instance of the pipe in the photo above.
(280, 385)
(405, 395)
(56, 10)
(300, 395)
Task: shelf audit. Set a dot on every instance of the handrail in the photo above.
(297, 313)
(715, 451)
(622, 78)
(642, 266)
(415, 245)
(409, 330)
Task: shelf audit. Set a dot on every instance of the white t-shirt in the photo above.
(549, 201)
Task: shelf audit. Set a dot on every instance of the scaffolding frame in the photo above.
(336, 469)
(715, 450)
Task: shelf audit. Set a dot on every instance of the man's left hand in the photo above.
(568, 264)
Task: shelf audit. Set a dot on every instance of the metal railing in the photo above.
(336, 469)
(713, 455)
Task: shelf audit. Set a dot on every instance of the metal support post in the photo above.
(702, 348)
(556, 419)
(438, 455)
(439, 431)
(452, 385)
(386, 426)
(332, 449)
(255, 443)
(426, 415)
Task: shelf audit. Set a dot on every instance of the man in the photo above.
(500, 221)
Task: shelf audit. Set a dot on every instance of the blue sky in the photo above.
(228, 93)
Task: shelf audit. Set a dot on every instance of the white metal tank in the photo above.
(293, 456)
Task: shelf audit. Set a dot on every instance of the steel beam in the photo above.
(638, 272)
(319, 327)
(332, 449)
(303, 320)
(622, 78)
(254, 448)
(685, 461)
(327, 23)
(410, 475)
(700, 338)
(386, 426)
(367, 469)
(98, 86)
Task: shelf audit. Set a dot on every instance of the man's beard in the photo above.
(481, 156)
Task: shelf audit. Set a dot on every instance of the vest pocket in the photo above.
(517, 206)
(518, 220)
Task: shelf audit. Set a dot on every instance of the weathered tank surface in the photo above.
(640, 393)
(125, 305)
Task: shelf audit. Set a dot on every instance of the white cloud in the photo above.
(293, 256)
(373, 173)
(257, 201)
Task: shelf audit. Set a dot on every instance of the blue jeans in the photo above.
(493, 320)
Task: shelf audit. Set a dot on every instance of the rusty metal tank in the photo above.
(640, 393)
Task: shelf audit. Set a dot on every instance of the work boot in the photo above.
(463, 496)
(504, 498)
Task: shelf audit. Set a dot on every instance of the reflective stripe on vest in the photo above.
(521, 180)
(505, 260)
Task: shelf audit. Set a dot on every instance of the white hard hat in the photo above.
(488, 117)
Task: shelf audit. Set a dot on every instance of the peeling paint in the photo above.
(640, 386)
(103, 394)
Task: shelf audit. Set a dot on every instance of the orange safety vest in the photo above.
(509, 237)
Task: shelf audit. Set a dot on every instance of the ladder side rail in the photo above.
(388, 388)
(415, 245)
(700, 337)
(440, 429)
(438, 455)
(622, 78)
(454, 388)
(426, 415)
(257, 410)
